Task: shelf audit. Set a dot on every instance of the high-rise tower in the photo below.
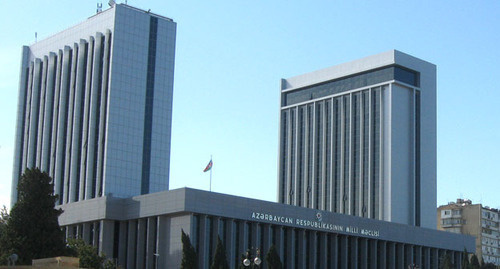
(360, 139)
(95, 106)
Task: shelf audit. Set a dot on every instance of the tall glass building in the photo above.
(95, 106)
(360, 139)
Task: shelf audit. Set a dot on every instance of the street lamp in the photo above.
(249, 260)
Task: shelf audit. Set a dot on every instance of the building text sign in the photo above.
(315, 224)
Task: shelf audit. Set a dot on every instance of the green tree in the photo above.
(220, 259)
(465, 259)
(89, 255)
(4, 216)
(273, 258)
(189, 257)
(474, 262)
(445, 262)
(32, 230)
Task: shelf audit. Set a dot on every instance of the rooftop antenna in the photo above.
(99, 8)
(35, 36)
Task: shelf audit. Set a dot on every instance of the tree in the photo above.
(220, 259)
(465, 259)
(4, 216)
(273, 258)
(89, 255)
(446, 262)
(189, 257)
(32, 230)
(474, 262)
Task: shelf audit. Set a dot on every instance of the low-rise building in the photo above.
(477, 220)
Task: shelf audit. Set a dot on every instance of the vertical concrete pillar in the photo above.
(163, 240)
(230, 243)
(426, 252)
(354, 252)
(391, 249)
(90, 173)
(334, 251)
(151, 243)
(290, 248)
(20, 123)
(131, 244)
(255, 240)
(323, 248)
(344, 249)
(373, 253)
(41, 112)
(55, 128)
(400, 252)
(103, 116)
(34, 114)
(266, 229)
(302, 249)
(48, 114)
(79, 90)
(280, 242)
(363, 245)
(382, 258)
(86, 233)
(409, 255)
(70, 183)
(70, 232)
(435, 257)
(141, 241)
(106, 237)
(203, 242)
(311, 248)
(122, 244)
(27, 116)
(418, 256)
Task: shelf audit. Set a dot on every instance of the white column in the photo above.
(90, 173)
(102, 117)
(48, 114)
(106, 237)
(79, 91)
(69, 192)
(41, 113)
(20, 123)
(150, 242)
(141, 240)
(84, 184)
(131, 244)
(33, 117)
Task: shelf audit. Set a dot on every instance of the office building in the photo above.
(95, 106)
(480, 221)
(145, 231)
(360, 139)
(94, 111)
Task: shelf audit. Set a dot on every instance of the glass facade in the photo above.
(340, 85)
(335, 153)
(95, 106)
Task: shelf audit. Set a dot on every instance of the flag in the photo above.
(209, 166)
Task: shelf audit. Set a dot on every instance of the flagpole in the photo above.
(211, 173)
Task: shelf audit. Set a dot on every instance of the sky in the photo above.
(231, 55)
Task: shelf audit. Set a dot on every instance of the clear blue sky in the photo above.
(231, 55)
